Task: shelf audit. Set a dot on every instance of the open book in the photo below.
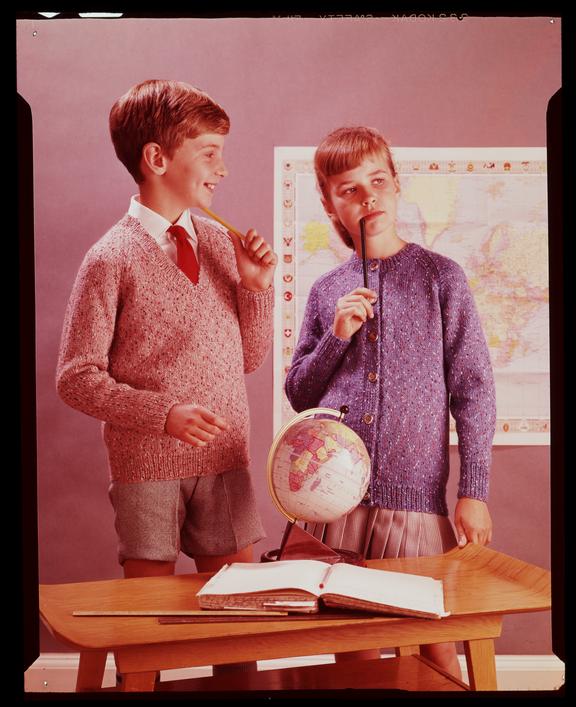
(300, 585)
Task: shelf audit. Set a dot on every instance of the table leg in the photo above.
(139, 682)
(481, 664)
(91, 671)
(407, 650)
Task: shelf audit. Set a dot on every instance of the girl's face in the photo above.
(369, 191)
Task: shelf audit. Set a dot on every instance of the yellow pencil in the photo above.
(224, 223)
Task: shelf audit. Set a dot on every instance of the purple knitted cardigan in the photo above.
(423, 354)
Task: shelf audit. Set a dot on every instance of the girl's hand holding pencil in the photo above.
(352, 311)
(255, 259)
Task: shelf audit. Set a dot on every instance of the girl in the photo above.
(400, 354)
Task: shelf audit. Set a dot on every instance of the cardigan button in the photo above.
(372, 377)
(374, 265)
(366, 496)
(373, 336)
(368, 418)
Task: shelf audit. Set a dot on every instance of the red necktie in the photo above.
(185, 255)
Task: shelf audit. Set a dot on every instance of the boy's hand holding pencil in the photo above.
(255, 259)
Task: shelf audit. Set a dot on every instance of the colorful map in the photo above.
(486, 209)
(313, 446)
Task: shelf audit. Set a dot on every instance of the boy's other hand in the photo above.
(255, 259)
(352, 311)
(194, 424)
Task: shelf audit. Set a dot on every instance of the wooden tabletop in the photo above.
(477, 581)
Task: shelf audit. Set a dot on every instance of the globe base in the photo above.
(347, 556)
(298, 544)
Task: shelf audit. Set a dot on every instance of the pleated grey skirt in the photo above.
(377, 533)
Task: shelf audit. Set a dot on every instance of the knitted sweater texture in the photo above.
(423, 354)
(139, 337)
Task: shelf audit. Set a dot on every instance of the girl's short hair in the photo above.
(165, 112)
(344, 149)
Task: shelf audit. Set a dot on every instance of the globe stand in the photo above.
(297, 544)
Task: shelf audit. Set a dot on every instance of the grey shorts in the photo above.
(202, 515)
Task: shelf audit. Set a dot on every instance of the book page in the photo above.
(250, 577)
(406, 591)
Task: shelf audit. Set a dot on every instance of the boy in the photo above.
(166, 316)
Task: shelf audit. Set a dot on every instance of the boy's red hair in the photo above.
(165, 112)
(344, 149)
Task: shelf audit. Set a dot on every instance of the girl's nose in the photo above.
(368, 199)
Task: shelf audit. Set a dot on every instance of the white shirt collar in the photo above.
(155, 224)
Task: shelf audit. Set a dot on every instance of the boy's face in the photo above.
(195, 169)
(369, 191)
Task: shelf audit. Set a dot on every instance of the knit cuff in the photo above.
(260, 303)
(474, 480)
(153, 412)
(331, 348)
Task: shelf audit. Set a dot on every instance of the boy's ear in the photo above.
(153, 158)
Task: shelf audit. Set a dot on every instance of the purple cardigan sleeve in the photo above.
(470, 382)
(317, 356)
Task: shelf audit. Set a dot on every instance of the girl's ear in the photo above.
(335, 220)
(328, 208)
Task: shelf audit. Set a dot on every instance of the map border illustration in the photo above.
(292, 163)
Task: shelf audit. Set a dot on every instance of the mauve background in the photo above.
(425, 83)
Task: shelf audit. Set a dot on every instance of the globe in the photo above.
(318, 469)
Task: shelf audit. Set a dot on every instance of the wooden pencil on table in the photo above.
(183, 612)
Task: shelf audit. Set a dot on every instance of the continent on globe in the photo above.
(309, 450)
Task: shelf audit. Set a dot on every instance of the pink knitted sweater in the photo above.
(139, 337)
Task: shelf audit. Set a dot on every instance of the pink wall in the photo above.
(479, 82)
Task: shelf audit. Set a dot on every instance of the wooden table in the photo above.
(480, 587)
